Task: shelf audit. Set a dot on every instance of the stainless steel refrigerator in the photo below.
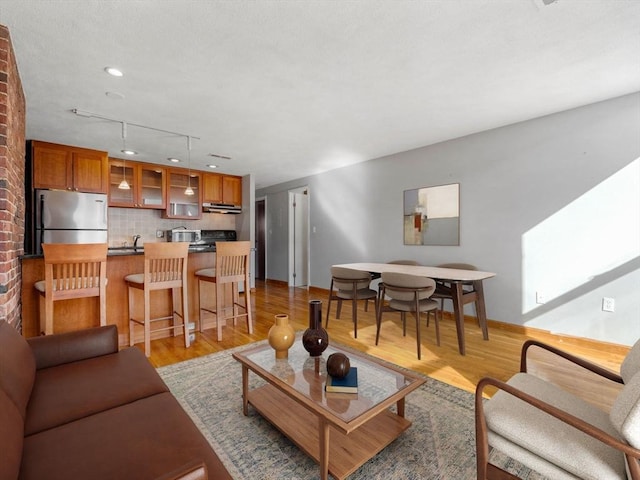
(70, 217)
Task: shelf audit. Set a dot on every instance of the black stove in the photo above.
(208, 238)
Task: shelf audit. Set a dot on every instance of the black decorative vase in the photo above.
(315, 339)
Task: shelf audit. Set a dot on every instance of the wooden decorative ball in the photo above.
(338, 365)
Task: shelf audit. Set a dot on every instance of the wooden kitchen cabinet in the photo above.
(219, 188)
(180, 205)
(146, 182)
(65, 167)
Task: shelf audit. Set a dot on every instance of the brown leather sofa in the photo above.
(72, 406)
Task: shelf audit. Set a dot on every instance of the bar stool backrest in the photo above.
(165, 264)
(232, 261)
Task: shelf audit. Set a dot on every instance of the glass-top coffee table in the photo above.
(340, 431)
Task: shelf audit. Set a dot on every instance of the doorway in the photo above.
(299, 237)
(261, 240)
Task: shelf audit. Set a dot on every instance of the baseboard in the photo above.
(519, 329)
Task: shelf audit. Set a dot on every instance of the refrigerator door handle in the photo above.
(103, 210)
(41, 212)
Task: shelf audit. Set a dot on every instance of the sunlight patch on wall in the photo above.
(345, 219)
(592, 235)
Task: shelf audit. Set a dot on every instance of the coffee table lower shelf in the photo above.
(347, 452)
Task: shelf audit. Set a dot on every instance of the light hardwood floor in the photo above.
(498, 357)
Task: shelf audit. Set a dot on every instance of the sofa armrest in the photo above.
(194, 470)
(52, 350)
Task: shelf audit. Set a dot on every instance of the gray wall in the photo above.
(540, 205)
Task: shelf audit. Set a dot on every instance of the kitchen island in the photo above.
(84, 312)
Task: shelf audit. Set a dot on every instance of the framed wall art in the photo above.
(432, 215)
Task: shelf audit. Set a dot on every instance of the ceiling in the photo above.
(291, 88)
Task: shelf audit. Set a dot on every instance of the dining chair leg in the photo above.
(354, 313)
(403, 317)
(326, 323)
(379, 313)
(417, 313)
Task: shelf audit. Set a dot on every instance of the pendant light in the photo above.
(189, 190)
(124, 185)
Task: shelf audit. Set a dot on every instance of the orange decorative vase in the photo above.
(281, 336)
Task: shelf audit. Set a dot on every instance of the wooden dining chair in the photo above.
(165, 268)
(232, 267)
(352, 285)
(72, 271)
(407, 293)
(444, 290)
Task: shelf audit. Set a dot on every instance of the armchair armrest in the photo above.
(632, 454)
(195, 470)
(52, 350)
(592, 367)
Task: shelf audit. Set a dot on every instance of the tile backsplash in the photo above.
(124, 223)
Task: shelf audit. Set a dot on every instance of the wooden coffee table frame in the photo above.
(339, 447)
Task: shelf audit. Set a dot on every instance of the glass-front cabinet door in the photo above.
(145, 181)
(151, 187)
(121, 174)
(180, 204)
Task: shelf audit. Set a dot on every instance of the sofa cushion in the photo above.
(11, 438)
(141, 440)
(75, 390)
(17, 366)
(52, 350)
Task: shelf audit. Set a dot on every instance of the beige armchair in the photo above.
(557, 433)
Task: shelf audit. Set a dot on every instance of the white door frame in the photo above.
(296, 242)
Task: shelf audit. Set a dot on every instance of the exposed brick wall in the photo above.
(12, 176)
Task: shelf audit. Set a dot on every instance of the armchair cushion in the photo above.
(631, 364)
(625, 412)
(516, 427)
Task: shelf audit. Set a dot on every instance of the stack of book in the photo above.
(348, 384)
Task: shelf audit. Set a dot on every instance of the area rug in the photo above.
(440, 444)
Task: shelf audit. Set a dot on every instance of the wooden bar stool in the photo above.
(165, 267)
(72, 271)
(232, 266)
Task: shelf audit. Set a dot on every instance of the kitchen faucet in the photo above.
(135, 241)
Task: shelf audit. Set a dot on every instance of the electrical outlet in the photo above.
(540, 298)
(159, 233)
(608, 304)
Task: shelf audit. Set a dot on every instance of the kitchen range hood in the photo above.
(208, 207)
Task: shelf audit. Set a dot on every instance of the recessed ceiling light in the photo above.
(212, 166)
(129, 152)
(113, 71)
(174, 160)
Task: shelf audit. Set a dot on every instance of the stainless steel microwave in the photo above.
(182, 235)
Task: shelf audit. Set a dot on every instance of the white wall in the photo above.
(552, 205)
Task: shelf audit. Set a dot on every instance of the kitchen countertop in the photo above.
(121, 251)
